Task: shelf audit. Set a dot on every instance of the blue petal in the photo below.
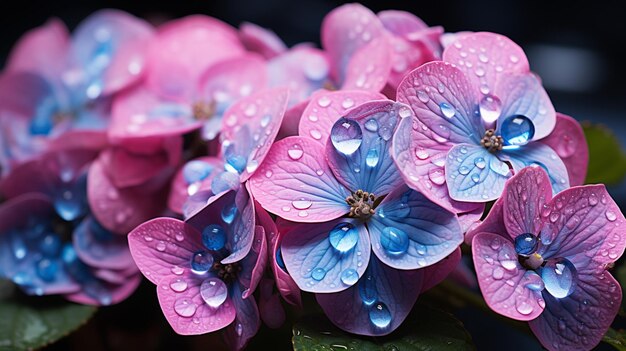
(318, 266)
(473, 174)
(377, 304)
(537, 154)
(369, 167)
(431, 232)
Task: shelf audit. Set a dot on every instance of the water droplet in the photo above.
(265, 121)
(422, 96)
(484, 89)
(480, 162)
(201, 262)
(498, 273)
(475, 177)
(47, 269)
(177, 270)
(195, 171)
(347, 103)
(490, 108)
(517, 130)
(559, 277)
(447, 110)
(178, 284)
(395, 241)
(50, 246)
(523, 306)
(346, 136)
(295, 152)
(239, 329)
(593, 199)
(252, 166)
(301, 204)
(367, 290)
(185, 307)
(214, 237)
(610, 215)
(404, 112)
(380, 315)
(250, 110)
(279, 258)
(344, 237)
(349, 277)
(160, 246)
(213, 292)
(514, 58)
(464, 170)
(483, 58)
(371, 159)
(533, 281)
(371, 125)
(324, 101)
(229, 212)
(68, 205)
(437, 176)
(526, 244)
(421, 153)
(318, 274)
(235, 163)
(315, 134)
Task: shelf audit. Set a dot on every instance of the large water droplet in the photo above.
(229, 212)
(68, 205)
(346, 136)
(559, 277)
(343, 237)
(318, 274)
(380, 315)
(213, 292)
(214, 237)
(367, 290)
(178, 284)
(526, 244)
(447, 110)
(295, 152)
(371, 159)
(201, 262)
(395, 241)
(195, 171)
(371, 125)
(490, 108)
(349, 276)
(517, 130)
(185, 307)
(301, 204)
(47, 269)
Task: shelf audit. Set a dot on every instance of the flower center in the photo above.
(362, 204)
(227, 272)
(203, 110)
(491, 141)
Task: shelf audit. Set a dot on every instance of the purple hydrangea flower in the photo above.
(346, 198)
(481, 115)
(544, 259)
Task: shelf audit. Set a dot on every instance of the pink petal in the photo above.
(261, 40)
(41, 50)
(176, 60)
(401, 22)
(291, 120)
(296, 183)
(345, 30)
(120, 210)
(79, 139)
(436, 273)
(254, 263)
(256, 119)
(526, 198)
(369, 67)
(492, 55)
(181, 189)
(568, 140)
(493, 224)
(325, 108)
(503, 281)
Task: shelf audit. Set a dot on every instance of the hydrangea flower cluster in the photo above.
(235, 173)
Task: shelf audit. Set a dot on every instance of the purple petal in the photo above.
(579, 321)
(506, 286)
(493, 223)
(369, 167)
(326, 107)
(377, 304)
(253, 265)
(526, 199)
(246, 323)
(474, 174)
(296, 183)
(270, 308)
(287, 288)
(537, 154)
(99, 248)
(442, 99)
(326, 257)
(568, 140)
(439, 271)
(261, 40)
(99, 293)
(409, 231)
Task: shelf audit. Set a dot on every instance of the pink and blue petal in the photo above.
(539, 155)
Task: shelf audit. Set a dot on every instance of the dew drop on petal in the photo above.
(318, 274)
(523, 306)
(214, 237)
(346, 136)
(213, 292)
(349, 277)
(610, 215)
(490, 108)
(379, 315)
(422, 96)
(185, 307)
(447, 110)
(371, 125)
(367, 290)
(371, 159)
(559, 277)
(437, 176)
(201, 262)
(195, 171)
(394, 241)
(228, 213)
(324, 101)
(526, 244)
(160, 246)
(178, 284)
(344, 237)
(301, 204)
(517, 130)
(295, 152)
(421, 153)
(347, 103)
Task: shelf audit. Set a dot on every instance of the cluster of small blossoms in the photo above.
(235, 173)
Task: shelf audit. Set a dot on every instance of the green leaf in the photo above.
(607, 160)
(33, 322)
(425, 329)
(615, 338)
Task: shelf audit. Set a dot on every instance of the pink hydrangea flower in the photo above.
(328, 189)
(481, 115)
(544, 259)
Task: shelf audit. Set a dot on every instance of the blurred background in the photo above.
(577, 47)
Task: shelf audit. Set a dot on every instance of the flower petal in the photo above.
(493, 223)
(250, 127)
(439, 271)
(369, 167)
(384, 293)
(579, 321)
(270, 307)
(192, 177)
(430, 232)
(568, 140)
(99, 248)
(345, 30)
(316, 265)
(401, 22)
(247, 321)
(492, 55)
(523, 95)
(474, 174)
(584, 225)
(503, 282)
(326, 107)
(176, 61)
(253, 265)
(100, 293)
(369, 67)
(296, 183)
(537, 154)
(526, 196)
(437, 90)
(261, 40)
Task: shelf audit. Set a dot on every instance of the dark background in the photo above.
(578, 48)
